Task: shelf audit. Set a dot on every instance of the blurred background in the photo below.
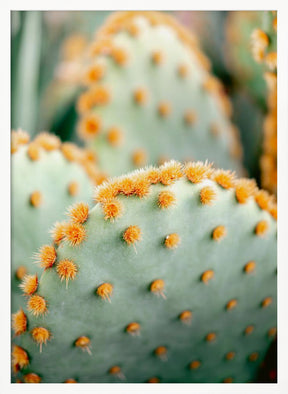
(46, 49)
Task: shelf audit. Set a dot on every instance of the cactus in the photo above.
(247, 73)
(59, 98)
(47, 177)
(209, 27)
(264, 50)
(170, 277)
(150, 97)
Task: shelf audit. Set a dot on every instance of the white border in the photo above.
(282, 8)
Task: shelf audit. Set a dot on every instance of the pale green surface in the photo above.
(142, 126)
(105, 257)
(30, 226)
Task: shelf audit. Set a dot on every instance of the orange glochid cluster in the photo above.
(133, 328)
(207, 195)
(70, 380)
(230, 355)
(166, 199)
(249, 267)
(164, 109)
(58, 232)
(29, 284)
(207, 276)
(116, 371)
(46, 256)
(19, 322)
(219, 233)
(253, 356)
(112, 209)
(224, 178)
(157, 287)
(139, 157)
(79, 212)
(20, 358)
(210, 337)
(261, 228)
(186, 317)
(119, 55)
(132, 235)
(194, 364)
(18, 137)
(94, 74)
(74, 233)
(33, 151)
(244, 189)
(36, 198)
(266, 302)
(66, 270)
(140, 96)
(157, 57)
(161, 352)
(83, 343)
(154, 379)
(90, 126)
(32, 378)
(37, 305)
(183, 70)
(73, 188)
(190, 117)
(21, 271)
(248, 330)
(196, 172)
(115, 136)
(172, 241)
(40, 335)
(48, 141)
(231, 304)
(105, 291)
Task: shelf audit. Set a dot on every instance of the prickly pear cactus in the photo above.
(47, 177)
(171, 277)
(247, 74)
(150, 97)
(264, 51)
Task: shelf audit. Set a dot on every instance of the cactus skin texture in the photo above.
(47, 177)
(264, 51)
(173, 279)
(150, 97)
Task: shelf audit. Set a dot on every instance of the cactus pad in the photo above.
(150, 97)
(264, 50)
(171, 277)
(47, 177)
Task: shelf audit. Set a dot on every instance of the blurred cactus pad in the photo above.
(248, 73)
(48, 176)
(264, 51)
(170, 277)
(149, 97)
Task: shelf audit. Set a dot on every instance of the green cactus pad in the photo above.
(264, 50)
(46, 178)
(150, 97)
(171, 277)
